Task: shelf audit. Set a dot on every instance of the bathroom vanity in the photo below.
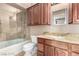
(49, 46)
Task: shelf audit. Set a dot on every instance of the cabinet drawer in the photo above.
(40, 40)
(75, 48)
(62, 45)
(75, 54)
(40, 47)
(50, 42)
(39, 53)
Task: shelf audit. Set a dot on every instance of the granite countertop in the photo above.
(70, 38)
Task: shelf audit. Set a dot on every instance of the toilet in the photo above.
(30, 48)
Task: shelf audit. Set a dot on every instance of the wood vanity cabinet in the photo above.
(39, 14)
(48, 47)
(51, 47)
(40, 46)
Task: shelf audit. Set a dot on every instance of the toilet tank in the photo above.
(34, 39)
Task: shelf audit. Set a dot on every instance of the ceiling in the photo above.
(8, 8)
(25, 5)
(15, 7)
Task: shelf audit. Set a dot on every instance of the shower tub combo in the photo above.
(12, 47)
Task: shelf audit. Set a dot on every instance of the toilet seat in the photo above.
(29, 46)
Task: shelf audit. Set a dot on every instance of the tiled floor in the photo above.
(23, 54)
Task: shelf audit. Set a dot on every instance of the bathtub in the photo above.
(12, 47)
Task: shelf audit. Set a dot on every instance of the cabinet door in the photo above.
(39, 14)
(78, 11)
(75, 12)
(40, 53)
(61, 52)
(75, 54)
(40, 47)
(70, 8)
(36, 14)
(49, 51)
(30, 18)
(46, 13)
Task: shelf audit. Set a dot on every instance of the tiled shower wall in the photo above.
(11, 45)
(8, 26)
(4, 18)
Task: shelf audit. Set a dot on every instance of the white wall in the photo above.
(40, 29)
(70, 28)
(73, 28)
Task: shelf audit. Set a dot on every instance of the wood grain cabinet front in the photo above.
(46, 13)
(40, 47)
(50, 42)
(49, 50)
(36, 14)
(70, 14)
(39, 14)
(30, 16)
(47, 47)
(61, 45)
(75, 12)
(74, 54)
(40, 40)
(40, 53)
(75, 48)
(61, 52)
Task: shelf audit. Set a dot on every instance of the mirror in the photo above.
(60, 14)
